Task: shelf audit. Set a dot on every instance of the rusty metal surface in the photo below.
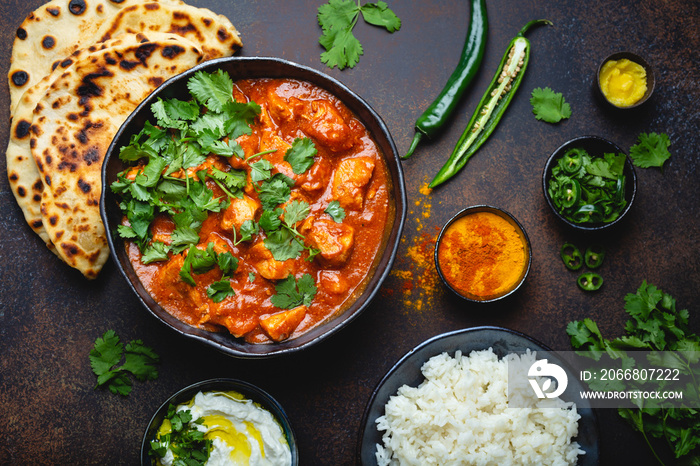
(50, 316)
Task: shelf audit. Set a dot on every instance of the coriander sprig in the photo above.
(337, 19)
(655, 325)
(106, 355)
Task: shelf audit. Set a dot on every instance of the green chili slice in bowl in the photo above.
(588, 189)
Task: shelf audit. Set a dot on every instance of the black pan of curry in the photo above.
(352, 196)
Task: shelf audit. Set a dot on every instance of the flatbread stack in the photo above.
(78, 70)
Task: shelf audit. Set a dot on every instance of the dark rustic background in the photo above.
(50, 316)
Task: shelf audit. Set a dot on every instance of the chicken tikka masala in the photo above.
(258, 206)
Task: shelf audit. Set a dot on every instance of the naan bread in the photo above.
(73, 125)
(73, 28)
(54, 31)
(24, 176)
(213, 33)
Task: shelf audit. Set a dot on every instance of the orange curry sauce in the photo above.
(348, 167)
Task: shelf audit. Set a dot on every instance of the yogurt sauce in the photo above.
(242, 432)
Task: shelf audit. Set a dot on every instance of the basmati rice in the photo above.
(459, 415)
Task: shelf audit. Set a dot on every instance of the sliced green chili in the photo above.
(437, 113)
(594, 256)
(570, 192)
(590, 281)
(571, 255)
(492, 105)
(572, 161)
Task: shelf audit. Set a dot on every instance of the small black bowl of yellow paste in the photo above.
(229, 421)
(625, 80)
(483, 254)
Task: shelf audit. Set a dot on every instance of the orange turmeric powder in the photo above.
(482, 255)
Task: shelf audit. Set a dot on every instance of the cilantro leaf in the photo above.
(218, 291)
(155, 252)
(337, 18)
(291, 294)
(270, 219)
(227, 263)
(139, 360)
(188, 445)
(260, 170)
(283, 244)
(651, 150)
(335, 210)
(295, 212)
(301, 155)
(247, 230)
(549, 106)
(214, 90)
(275, 191)
(197, 261)
(342, 49)
(379, 14)
(106, 354)
(337, 14)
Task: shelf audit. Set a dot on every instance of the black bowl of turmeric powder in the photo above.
(483, 254)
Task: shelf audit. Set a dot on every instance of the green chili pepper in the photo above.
(571, 255)
(572, 161)
(594, 256)
(492, 105)
(570, 192)
(435, 116)
(589, 281)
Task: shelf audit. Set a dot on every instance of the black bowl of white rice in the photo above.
(446, 402)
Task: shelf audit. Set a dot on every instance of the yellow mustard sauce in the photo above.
(623, 82)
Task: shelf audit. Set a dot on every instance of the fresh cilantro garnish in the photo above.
(260, 170)
(335, 210)
(188, 444)
(220, 290)
(202, 260)
(651, 150)
(270, 220)
(295, 212)
(291, 294)
(247, 230)
(178, 171)
(284, 245)
(301, 155)
(186, 135)
(155, 252)
(655, 325)
(275, 191)
(337, 18)
(138, 360)
(283, 240)
(549, 106)
(214, 90)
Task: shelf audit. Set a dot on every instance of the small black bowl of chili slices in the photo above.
(483, 254)
(589, 183)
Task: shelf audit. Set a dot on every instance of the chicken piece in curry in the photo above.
(280, 264)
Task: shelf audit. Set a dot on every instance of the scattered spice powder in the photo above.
(482, 255)
(416, 270)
